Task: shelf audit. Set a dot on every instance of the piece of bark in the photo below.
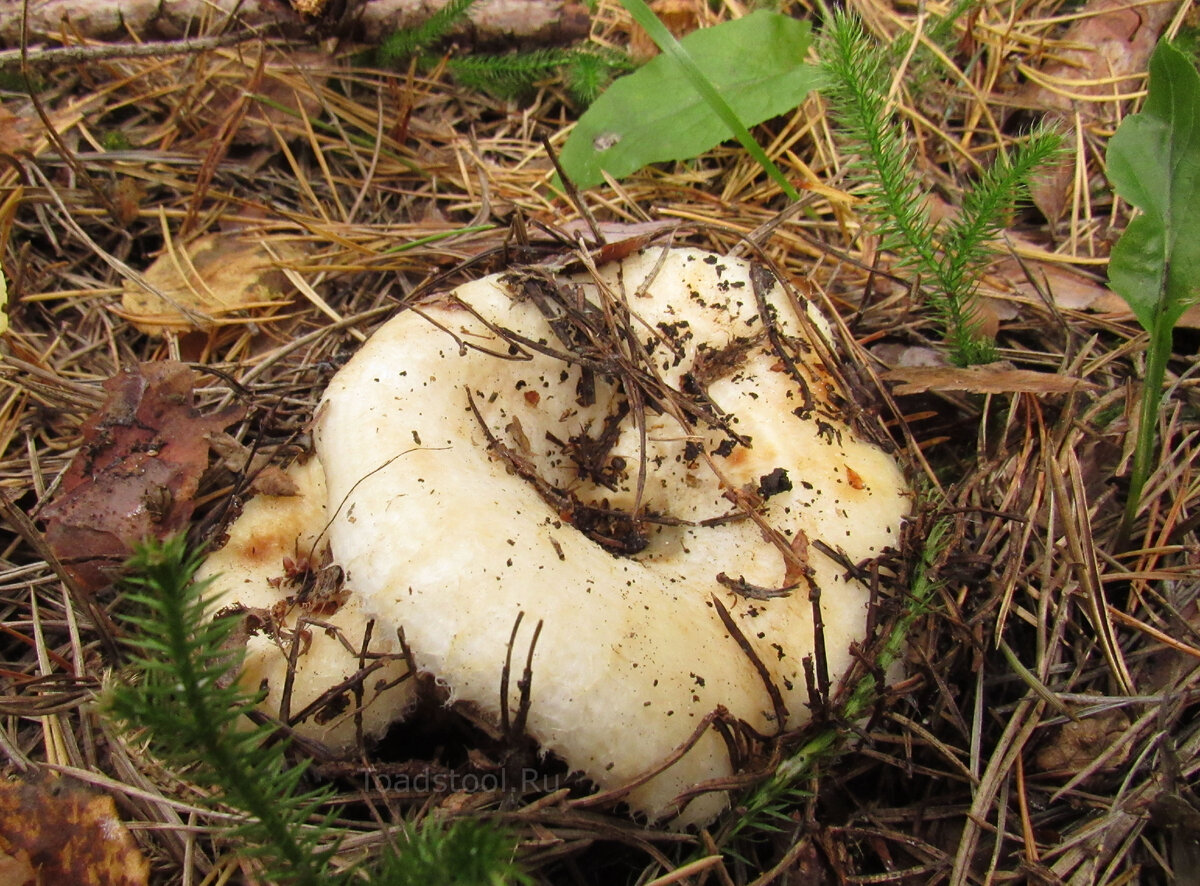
(56, 20)
(992, 378)
(370, 20)
(535, 20)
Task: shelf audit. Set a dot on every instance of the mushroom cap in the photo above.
(472, 479)
(326, 623)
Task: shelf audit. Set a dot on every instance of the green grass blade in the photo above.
(666, 42)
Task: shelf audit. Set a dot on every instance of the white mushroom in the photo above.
(627, 457)
(299, 615)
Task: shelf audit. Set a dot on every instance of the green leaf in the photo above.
(1154, 163)
(653, 115)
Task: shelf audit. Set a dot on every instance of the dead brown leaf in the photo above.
(1073, 290)
(681, 18)
(279, 98)
(265, 478)
(273, 480)
(137, 472)
(1078, 743)
(217, 279)
(1105, 49)
(993, 378)
(56, 831)
(15, 132)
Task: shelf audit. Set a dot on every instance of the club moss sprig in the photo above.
(948, 259)
(195, 719)
(466, 852)
(590, 70)
(401, 45)
(178, 692)
(586, 69)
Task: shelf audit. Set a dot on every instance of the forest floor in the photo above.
(1043, 731)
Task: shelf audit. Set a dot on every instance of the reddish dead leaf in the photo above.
(796, 568)
(613, 231)
(137, 472)
(59, 832)
(621, 241)
(1067, 287)
(1106, 47)
(993, 378)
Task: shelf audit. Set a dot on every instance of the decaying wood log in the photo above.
(52, 21)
